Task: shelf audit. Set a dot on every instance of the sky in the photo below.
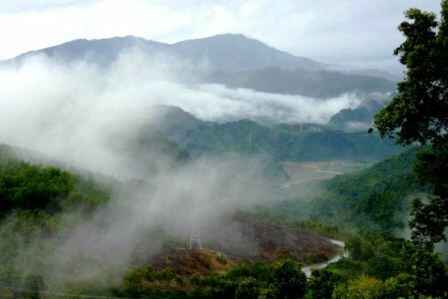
(355, 33)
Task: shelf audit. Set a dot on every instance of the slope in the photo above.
(281, 142)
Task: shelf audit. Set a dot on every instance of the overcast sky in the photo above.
(346, 32)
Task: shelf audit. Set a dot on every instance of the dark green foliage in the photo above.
(280, 280)
(290, 281)
(430, 274)
(36, 285)
(419, 113)
(400, 286)
(284, 142)
(347, 268)
(88, 193)
(28, 187)
(247, 289)
(429, 221)
(322, 284)
(32, 200)
(404, 268)
(375, 198)
(429, 216)
(377, 256)
(359, 250)
(260, 271)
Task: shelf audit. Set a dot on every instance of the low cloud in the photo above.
(69, 112)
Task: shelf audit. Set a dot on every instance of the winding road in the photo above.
(309, 269)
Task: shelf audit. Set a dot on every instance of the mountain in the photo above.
(311, 83)
(227, 52)
(101, 51)
(230, 59)
(355, 119)
(236, 52)
(281, 142)
(391, 76)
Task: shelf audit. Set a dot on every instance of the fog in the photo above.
(71, 113)
(200, 198)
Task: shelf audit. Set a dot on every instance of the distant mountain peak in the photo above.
(223, 37)
(232, 59)
(228, 52)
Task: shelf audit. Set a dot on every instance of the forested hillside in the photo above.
(46, 189)
(377, 198)
(284, 142)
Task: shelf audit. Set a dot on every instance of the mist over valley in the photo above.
(211, 167)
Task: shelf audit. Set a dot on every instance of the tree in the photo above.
(430, 278)
(365, 287)
(419, 114)
(359, 249)
(290, 280)
(35, 284)
(247, 289)
(430, 220)
(322, 284)
(400, 286)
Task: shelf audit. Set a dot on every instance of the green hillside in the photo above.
(300, 142)
(44, 189)
(377, 198)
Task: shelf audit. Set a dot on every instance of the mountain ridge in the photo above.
(233, 60)
(218, 44)
(283, 142)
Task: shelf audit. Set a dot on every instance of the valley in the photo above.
(308, 172)
(196, 162)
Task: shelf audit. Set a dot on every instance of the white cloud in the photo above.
(70, 112)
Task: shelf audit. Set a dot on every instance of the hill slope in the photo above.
(376, 198)
(312, 83)
(282, 142)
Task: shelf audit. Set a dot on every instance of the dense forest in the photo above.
(281, 142)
